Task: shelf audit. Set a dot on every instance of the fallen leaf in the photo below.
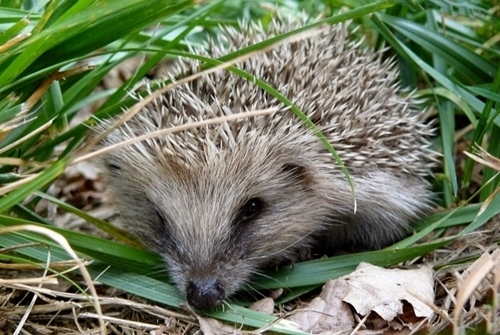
(327, 313)
(371, 288)
(265, 305)
(211, 326)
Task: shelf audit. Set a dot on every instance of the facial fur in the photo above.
(196, 216)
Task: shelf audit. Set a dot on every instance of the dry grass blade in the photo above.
(30, 103)
(30, 281)
(63, 303)
(37, 95)
(167, 131)
(121, 322)
(470, 280)
(485, 158)
(58, 238)
(32, 303)
(21, 162)
(40, 129)
(15, 185)
(10, 43)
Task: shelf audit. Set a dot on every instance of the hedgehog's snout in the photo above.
(205, 293)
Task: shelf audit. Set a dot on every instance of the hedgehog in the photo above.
(220, 203)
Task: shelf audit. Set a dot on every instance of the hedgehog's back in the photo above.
(350, 93)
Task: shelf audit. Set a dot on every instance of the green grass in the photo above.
(445, 51)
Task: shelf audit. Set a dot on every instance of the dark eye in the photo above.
(251, 209)
(160, 225)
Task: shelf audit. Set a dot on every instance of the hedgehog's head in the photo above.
(218, 216)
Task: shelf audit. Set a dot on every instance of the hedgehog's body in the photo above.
(222, 201)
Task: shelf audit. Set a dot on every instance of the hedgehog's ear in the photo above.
(299, 172)
(111, 165)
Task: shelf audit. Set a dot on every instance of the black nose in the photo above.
(205, 293)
